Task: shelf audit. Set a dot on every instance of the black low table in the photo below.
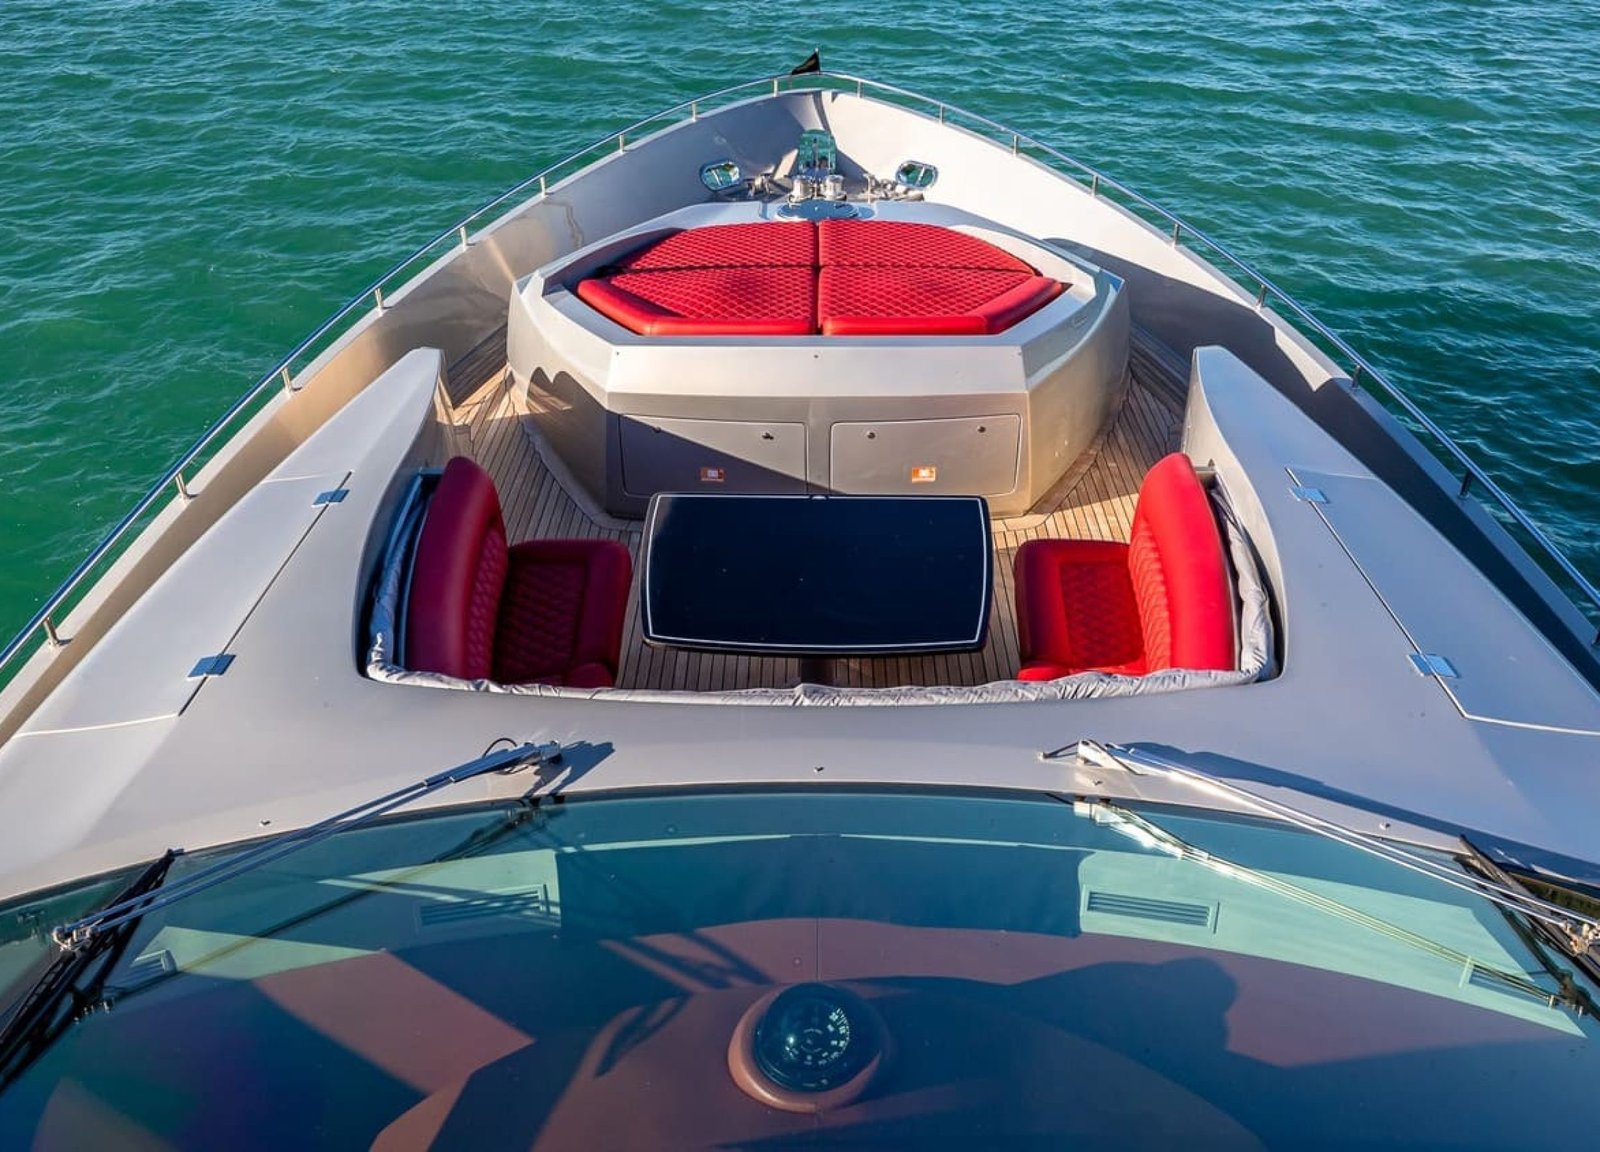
(817, 576)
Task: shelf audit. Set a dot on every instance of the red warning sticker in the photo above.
(924, 474)
(713, 475)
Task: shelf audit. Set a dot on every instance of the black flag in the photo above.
(812, 63)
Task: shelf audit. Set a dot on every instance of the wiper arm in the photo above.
(63, 995)
(82, 934)
(58, 1000)
(1580, 933)
(1150, 834)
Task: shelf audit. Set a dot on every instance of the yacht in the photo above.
(818, 620)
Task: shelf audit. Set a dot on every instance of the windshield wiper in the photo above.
(1580, 934)
(74, 984)
(1149, 834)
(82, 933)
(62, 996)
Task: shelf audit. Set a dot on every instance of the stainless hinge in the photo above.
(331, 496)
(1308, 495)
(1432, 664)
(211, 665)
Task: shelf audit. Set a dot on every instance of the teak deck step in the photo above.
(1095, 499)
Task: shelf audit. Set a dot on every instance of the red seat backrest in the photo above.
(1180, 578)
(458, 576)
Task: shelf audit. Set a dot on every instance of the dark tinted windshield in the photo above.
(972, 971)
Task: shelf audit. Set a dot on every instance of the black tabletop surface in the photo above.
(817, 575)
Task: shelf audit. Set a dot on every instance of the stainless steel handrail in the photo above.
(1269, 291)
(43, 619)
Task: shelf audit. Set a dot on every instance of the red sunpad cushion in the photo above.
(902, 244)
(926, 301)
(707, 301)
(774, 244)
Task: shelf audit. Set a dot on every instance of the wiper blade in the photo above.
(82, 934)
(1580, 933)
(61, 997)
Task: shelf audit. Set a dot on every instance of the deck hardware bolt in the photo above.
(50, 632)
(818, 768)
(983, 427)
(264, 823)
(766, 435)
(1383, 824)
(183, 487)
(872, 435)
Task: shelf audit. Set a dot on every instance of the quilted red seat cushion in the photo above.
(1161, 601)
(545, 611)
(561, 614)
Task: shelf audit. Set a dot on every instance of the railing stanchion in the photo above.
(694, 111)
(1466, 483)
(462, 232)
(622, 141)
(1177, 231)
(377, 294)
(183, 487)
(288, 380)
(50, 633)
(1261, 297)
(541, 184)
(1016, 143)
(1094, 185)
(1355, 377)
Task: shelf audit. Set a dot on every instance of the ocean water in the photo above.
(190, 186)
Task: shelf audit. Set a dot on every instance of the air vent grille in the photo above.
(533, 905)
(1151, 908)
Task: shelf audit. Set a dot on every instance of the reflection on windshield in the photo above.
(591, 963)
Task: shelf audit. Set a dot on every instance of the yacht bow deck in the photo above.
(1094, 500)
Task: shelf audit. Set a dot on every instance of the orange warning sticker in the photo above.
(924, 474)
(713, 475)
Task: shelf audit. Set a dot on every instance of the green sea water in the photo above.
(190, 186)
